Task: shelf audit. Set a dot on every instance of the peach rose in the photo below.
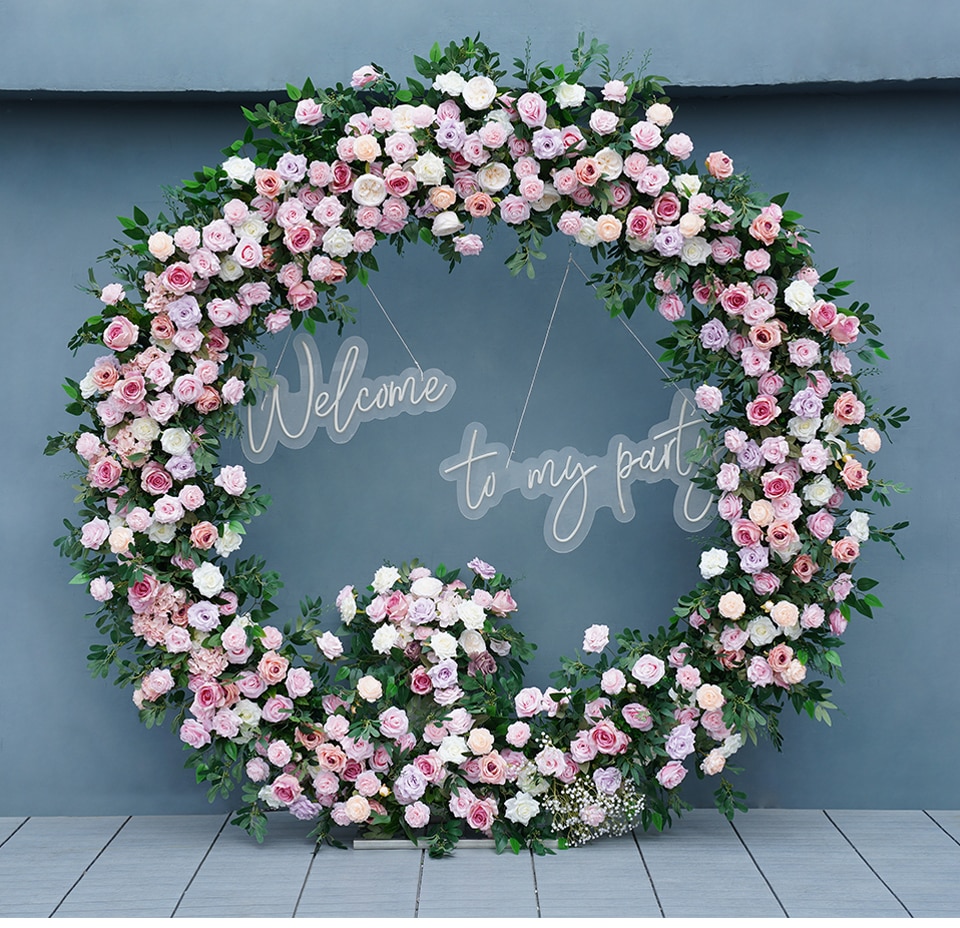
(480, 741)
(203, 536)
(731, 605)
(272, 667)
(719, 164)
(761, 512)
(710, 696)
(846, 550)
(870, 439)
(443, 197)
(785, 614)
(357, 809)
(854, 475)
(369, 688)
(608, 228)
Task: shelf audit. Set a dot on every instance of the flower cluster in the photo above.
(427, 721)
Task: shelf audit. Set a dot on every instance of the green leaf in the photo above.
(80, 579)
(293, 92)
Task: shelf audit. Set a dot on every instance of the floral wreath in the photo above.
(412, 715)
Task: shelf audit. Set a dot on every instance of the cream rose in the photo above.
(369, 190)
(479, 92)
(369, 689)
(785, 614)
(450, 83)
(161, 245)
(384, 578)
(446, 223)
(493, 177)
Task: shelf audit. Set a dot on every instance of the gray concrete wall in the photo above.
(871, 171)
(249, 45)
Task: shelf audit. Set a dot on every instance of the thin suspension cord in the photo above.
(395, 329)
(546, 336)
(636, 337)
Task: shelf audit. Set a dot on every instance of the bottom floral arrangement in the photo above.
(412, 720)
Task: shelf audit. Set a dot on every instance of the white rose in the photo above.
(713, 563)
(548, 200)
(695, 250)
(446, 223)
(384, 578)
(252, 227)
(175, 441)
(443, 644)
(610, 163)
(659, 114)
(471, 614)
(472, 642)
(208, 580)
(239, 170)
(429, 169)
(588, 232)
(570, 95)
(687, 185)
(762, 630)
(369, 190)
(230, 269)
(732, 744)
(818, 491)
(451, 83)
(144, 429)
(338, 241)
(831, 425)
(228, 542)
(385, 637)
(267, 795)
(859, 526)
(530, 781)
(162, 533)
(87, 386)
(452, 750)
(799, 297)
(493, 177)
(428, 587)
(479, 92)
(521, 808)
(403, 118)
(803, 430)
(248, 712)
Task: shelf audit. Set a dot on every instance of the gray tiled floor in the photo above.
(780, 863)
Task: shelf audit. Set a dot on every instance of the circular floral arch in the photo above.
(412, 715)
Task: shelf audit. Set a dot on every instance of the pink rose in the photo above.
(308, 112)
(120, 333)
(194, 734)
(671, 774)
(612, 682)
(709, 399)
(528, 702)
(648, 670)
(417, 815)
(719, 165)
(232, 479)
(645, 135)
(532, 109)
(763, 410)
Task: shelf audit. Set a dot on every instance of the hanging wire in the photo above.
(636, 337)
(540, 358)
(395, 329)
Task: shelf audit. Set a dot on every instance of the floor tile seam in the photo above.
(867, 863)
(646, 869)
(15, 830)
(944, 830)
(87, 868)
(759, 870)
(199, 866)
